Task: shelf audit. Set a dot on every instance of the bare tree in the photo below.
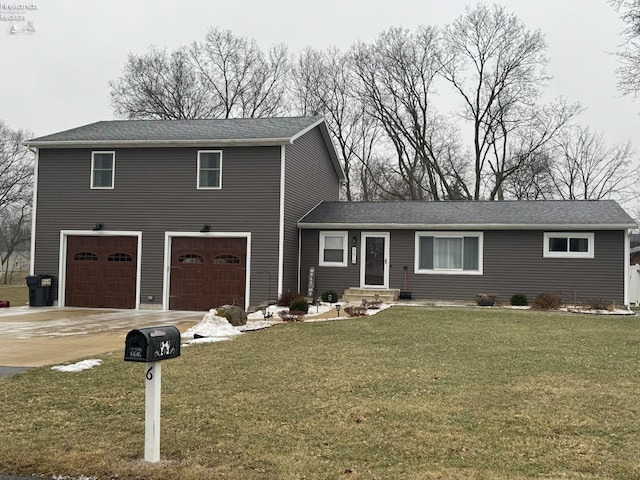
(323, 84)
(585, 167)
(533, 180)
(243, 81)
(16, 175)
(497, 66)
(396, 75)
(16, 166)
(223, 76)
(162, 85)
(15, 229)
(628, 71)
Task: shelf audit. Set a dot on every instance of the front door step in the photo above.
(356, 295)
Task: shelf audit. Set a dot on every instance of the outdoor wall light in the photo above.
(354, 240)
(205, 229)
(98, 227)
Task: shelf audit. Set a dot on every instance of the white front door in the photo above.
(374, 264)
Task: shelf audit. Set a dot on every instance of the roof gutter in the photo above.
(466, 226)
(159, 143)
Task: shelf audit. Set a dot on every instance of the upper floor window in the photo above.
(449, 253)
(568, 245)
(333, 249)
(210, 169)
(103, 169)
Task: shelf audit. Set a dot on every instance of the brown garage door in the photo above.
(101, 271)
(207, 273)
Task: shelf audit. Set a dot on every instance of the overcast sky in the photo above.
(55, 78)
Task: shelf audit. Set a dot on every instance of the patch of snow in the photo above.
(597, 312)
(78, 367)
(270, 312)
(212, 326)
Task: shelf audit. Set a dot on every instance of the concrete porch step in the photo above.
(356, 295)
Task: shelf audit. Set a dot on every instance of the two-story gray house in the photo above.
(178, 214)
(193, 214)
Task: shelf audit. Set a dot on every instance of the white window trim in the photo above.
(199, 169)
(588, 254)
(113, 170)
(345, 246)
(446, 271)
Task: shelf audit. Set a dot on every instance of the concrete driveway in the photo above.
(33, 337)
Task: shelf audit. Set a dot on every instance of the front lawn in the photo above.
(410, 393)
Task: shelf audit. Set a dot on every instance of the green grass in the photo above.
(411, 393)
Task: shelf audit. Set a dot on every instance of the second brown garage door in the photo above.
(101, 271)
(207, 273)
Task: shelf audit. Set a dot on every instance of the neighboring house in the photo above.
(177, 214)
(17, 262)
(193, 214)
(454, 250)
(16, 265)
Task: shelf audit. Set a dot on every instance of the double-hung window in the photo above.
(333, 249)
(103, 169)
(449, 253)
(210, 169)
(568, 245)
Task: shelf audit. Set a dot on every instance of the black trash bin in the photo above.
(40, 290)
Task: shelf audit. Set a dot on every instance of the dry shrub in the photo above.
(291, 316)
(374, 305)
(601, 304)
(547, 301)
(287, 297)
(355, 311)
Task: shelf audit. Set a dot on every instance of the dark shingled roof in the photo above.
(251, 130)
(560, 214)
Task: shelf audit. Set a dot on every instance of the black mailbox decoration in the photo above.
(152, 344)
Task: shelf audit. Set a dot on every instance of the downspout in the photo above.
(299, 254)
(627, 267)
(281, 232)
(33, 211)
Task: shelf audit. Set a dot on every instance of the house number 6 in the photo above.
(150, 373)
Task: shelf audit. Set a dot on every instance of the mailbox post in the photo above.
(152, 412)
(151, 346)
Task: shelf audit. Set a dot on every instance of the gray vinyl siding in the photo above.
(155, 192)
(513, 263)
(310, 178)
(326, 278)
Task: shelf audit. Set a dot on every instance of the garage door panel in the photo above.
(101, 271)
(207, 272)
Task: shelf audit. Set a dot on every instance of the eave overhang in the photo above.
(463, 226)
(160, 143)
